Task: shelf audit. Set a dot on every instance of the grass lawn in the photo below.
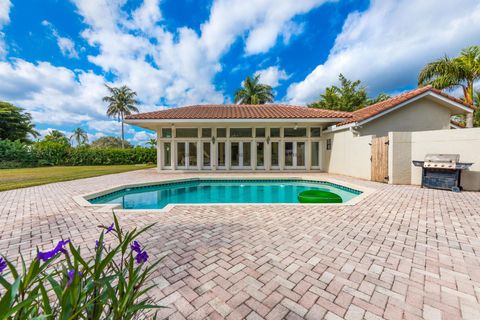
(27, 177)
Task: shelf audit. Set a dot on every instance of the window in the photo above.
(167, 152)
(292, 132)
(241, 132)
(221, 133)
(166, 133)
(329, 144)
(315, 132)
(186, 133)
(206, 132)
(260, 132)
(275, 132)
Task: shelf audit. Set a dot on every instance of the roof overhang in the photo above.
(455, 107)
(153, 124)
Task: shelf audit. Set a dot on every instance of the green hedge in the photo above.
(46, 153)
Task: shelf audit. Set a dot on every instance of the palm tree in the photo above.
(253, 92)
(461, 71)
(80, 136)
(152, 143)
(121, 102)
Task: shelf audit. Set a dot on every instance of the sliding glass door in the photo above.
(240, 155)
(187, 155)
(294, 154)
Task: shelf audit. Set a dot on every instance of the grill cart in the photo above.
(442, 171)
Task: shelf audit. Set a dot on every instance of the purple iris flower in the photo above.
(109, 229)
(142, 257)
(135, 246)
(3, 265)
(97, 243)
(71, 274)
(45, 256)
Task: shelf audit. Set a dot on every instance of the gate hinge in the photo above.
(387, 143)
(387, 178)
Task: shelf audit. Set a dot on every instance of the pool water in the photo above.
(219, 191)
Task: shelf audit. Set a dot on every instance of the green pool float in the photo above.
(318, 196)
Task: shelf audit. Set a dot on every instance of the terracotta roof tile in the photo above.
(244, 111)
(374, 109)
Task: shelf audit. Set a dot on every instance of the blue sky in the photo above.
(56, 55)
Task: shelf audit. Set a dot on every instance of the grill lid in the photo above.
(443, 161)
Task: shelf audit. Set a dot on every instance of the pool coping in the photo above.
(82, 200)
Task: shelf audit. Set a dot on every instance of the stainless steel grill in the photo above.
(442, 171)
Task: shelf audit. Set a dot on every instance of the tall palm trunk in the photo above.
(123, 137)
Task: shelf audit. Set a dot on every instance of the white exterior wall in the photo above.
(421, 115)
(349, 155)
(407, 146)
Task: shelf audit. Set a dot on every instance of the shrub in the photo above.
(108, 156)
(51, 153)
(15, 154)
(63, 284)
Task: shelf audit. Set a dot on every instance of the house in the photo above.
(277, 137)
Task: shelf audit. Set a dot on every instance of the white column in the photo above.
(173, 156)
(469, 122)
(159, 152)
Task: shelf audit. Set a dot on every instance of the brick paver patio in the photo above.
(401, 253)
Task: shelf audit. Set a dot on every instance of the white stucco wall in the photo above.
(349, 155)
(407, 146)
(421, 115)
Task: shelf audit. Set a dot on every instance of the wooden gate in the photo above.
(380, 159)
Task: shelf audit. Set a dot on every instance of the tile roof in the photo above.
(374, 109)
(241, 111)
(458, 124)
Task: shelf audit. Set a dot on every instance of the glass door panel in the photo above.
(289, 154)
(206, 154)
(300, 154)
(221, 154)
(247, 154)
(167, 152)
(192, 154)
(235, 154)
(181, 154)
(260, 154)
(315, 154)
(274, 154)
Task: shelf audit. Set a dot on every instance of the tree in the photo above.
(121, 102)
(152, 143)
(80, 136)
(15, 124)
(476, 117)
(449, 73)
(253, 92)
(57, 137)
(349, 96)
(110, 142)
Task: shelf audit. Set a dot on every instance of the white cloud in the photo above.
(387, 45)
(53, 95)
(142, 137)
(5, 6)
(272, 76)
(66, 45)
(184, 62)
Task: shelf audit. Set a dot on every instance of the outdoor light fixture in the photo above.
(268, 140)
(296, 126)
(213, 140)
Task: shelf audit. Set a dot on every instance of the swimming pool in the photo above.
(202, 191)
